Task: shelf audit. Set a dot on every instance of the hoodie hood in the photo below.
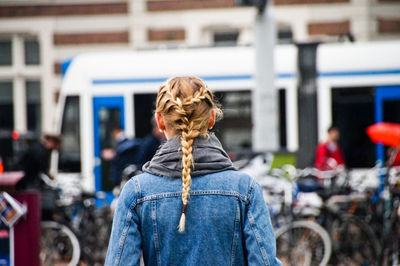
(208, 156)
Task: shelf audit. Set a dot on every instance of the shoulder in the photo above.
(231, 180)
(147, 184)
(145, 179)
(141, 186)
(234, 176)
(129, 194)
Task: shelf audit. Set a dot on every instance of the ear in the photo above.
(160, 121)
(212, 118)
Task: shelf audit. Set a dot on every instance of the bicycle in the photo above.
(59, 244)
(318, 230)
(93, 224)
(78, 230)
(375, 237)
(301, 242)
(384, 216)
(304, 241)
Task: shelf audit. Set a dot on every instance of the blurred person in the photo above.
(36, 160)
(190, 206)
(150, 143)
(132, 151)
(328, 155)
(126, 152)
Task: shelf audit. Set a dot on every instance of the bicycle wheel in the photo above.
(354, 243)
(303, 243)
(59, 245)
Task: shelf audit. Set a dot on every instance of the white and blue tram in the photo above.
(357, 84)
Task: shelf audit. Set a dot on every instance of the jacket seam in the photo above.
(258, 238)
(253, 183)
(155, 231)
(124, 234)
(137, 190)
(193, 193)
(128, 221)
(235, 235)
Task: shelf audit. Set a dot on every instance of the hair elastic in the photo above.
(184, 208)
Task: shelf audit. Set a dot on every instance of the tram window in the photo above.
(70, 152)
(353, 112)
(33, 106)
(144, 105)
(391, 111)
(282, 118)
(234, 130)
(226, 38)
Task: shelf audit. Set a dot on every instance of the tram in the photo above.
(358, 84)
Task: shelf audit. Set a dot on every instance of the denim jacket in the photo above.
(227, 222)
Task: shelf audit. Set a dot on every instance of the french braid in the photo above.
(185, 104)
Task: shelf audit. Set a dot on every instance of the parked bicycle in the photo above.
(353, 241)
(334, 208)
(382, 214)
(77, 229)
(299, 242)
(59, 244)
(313, 213)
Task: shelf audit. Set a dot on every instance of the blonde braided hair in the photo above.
(185, 104)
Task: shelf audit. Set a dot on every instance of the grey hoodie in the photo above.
(208, 154)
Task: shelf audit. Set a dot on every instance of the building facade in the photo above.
(37, 36)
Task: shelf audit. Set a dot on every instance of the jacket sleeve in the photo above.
(258, 232)
(124, 247)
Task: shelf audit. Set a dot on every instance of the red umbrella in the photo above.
(385, 133)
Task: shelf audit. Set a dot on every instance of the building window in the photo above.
(6, 121)
(6, 106)
(33, 106)
(70, 151)
(5, 53)
(222, 38)
(285, 36)
(32, 53)
(284, 33)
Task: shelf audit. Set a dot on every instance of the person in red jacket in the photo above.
(328, 154)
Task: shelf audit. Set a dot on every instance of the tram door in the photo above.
(108, 114)
(387, 109)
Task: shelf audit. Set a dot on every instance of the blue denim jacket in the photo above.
(227, 222)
